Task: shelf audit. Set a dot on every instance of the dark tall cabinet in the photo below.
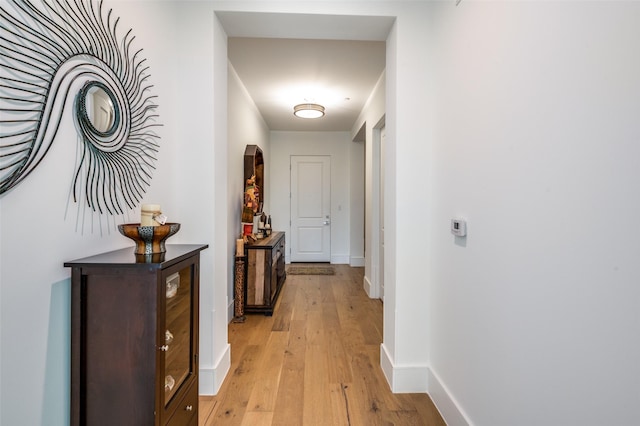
(134, 338)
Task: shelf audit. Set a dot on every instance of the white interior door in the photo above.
(310, 208)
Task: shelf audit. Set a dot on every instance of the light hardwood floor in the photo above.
(316, 361)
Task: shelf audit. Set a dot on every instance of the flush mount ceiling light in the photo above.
(308, 111)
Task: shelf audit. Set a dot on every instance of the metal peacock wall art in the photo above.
(53, 51)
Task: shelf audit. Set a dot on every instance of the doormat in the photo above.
(311, 270)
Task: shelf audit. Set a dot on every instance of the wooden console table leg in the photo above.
(238, 301)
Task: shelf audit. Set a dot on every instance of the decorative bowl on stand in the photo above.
(149, 239)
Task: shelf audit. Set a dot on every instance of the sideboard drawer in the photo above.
(187, 410)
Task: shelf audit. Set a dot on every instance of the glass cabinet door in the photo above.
(178, 333)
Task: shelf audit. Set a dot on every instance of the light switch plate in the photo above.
(459, 227)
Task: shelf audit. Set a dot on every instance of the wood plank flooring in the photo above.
(316, 361)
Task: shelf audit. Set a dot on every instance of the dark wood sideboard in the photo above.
(134, 338)
(265, 273)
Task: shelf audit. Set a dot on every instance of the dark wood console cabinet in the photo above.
(134, 338)
(265, 273)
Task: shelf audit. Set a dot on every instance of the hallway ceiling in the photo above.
(282, 58)
(280, 73)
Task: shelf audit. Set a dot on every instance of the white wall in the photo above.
(505, 113)
(246, 127)
(40, 232)
(408, 186)
(337, 145)
(356, 203)
(535, 317)
(186, 49)
(371, 117)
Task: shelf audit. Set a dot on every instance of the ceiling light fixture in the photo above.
(308, 111)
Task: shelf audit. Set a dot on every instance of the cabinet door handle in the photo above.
(189, 408)
(164, 348)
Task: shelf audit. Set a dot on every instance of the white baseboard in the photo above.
(368, 288)
(356, 261)
(403, 378)
(210, 379)
(422, 379)
(230, 311)
(445, 403)
(387, 365)
(340, 259)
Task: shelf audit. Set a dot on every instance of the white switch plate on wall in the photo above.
(459, 227)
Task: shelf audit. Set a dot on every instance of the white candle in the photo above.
(147, 212)
(240, 247)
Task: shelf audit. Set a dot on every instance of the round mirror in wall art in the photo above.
(96, 108)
